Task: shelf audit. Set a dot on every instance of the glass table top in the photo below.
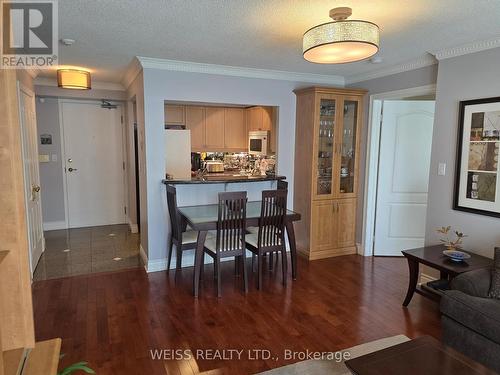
(209, 213)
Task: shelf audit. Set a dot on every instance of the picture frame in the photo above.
(477, 171)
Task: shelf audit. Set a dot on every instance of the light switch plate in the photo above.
(442, 169)
(43, 158)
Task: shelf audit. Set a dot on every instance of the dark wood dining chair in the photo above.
(182, 239)
(230, 235)
(282, 185)
(271, 235)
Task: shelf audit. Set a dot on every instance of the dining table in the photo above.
(203, 218)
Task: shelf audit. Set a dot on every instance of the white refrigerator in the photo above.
(178, 154)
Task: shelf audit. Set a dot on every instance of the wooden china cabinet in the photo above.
(327, 139)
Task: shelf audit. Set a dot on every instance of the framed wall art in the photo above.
(477, 176)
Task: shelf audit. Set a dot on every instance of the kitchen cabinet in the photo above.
(175, 114)
(214, 128)
(195, 121)
(326, 179)
(235, 129)
(259, 118)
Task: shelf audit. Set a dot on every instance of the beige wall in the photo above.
(472, 76)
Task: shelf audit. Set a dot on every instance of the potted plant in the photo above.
(449, 243)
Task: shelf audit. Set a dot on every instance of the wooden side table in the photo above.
(433, 257)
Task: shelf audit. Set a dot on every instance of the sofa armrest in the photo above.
(474, 283)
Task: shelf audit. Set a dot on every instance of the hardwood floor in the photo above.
(113, 320)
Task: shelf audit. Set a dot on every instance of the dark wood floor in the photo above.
(113, 320)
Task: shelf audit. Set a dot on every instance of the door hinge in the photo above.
(121, 119)
(125, 209)
(123, 165)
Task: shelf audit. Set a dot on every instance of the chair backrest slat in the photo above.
(272, 218)
(231, 221)
(173, 212)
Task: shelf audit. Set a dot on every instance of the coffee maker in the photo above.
(195, 161)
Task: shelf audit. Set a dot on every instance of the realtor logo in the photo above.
(29, 34)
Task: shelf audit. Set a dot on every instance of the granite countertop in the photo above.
(225, 177)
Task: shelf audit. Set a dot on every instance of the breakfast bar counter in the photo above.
(225, 177)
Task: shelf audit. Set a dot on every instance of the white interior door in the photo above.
(31, 175)
(93, 163)
(403, 179)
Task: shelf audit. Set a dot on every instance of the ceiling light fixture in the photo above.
(340, 41)
(73, 79)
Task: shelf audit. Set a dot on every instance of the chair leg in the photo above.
(171, 248)
(202, 266)
(270, 260)
(244, 271)
(217, 259)
(215, 269)
(253, 262)
(259, 270)
(284, 265)
(237, 266)
(178, 257)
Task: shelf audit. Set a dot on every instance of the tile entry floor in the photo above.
(89, 250)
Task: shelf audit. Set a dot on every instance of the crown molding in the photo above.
(98, 85)
(421, 62)
(133, 69)
(192, 67)
(465, 49)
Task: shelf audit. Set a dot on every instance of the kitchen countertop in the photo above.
(225, 177)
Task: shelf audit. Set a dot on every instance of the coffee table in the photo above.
(433, 257)
(422, 356)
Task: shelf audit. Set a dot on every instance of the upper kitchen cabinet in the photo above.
(175, 114)
(214, 128)
(235, 130)
(195, 121)
(259, 118)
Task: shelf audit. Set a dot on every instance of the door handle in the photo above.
(72, 169)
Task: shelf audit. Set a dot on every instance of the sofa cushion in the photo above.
(481, 315)
(474, 283)
(495, 276)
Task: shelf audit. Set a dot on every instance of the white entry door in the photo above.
(31, 175)
(93, 163)
(403, 179)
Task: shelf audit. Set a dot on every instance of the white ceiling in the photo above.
(264, 34)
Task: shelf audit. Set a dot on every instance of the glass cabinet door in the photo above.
(348, 146)
(325, 150)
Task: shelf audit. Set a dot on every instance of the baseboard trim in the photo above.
(54, 225)
(322, 254)
(158, 265)
(424, 278)
(360, 249)
(134, 228)
(144, 257)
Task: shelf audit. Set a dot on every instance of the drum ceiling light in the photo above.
(341, 41)
(73, 79)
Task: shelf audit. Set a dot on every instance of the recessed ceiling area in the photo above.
(265, 34)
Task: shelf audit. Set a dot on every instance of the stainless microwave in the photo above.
(258, 142)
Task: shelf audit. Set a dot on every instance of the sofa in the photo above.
(471, 320)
